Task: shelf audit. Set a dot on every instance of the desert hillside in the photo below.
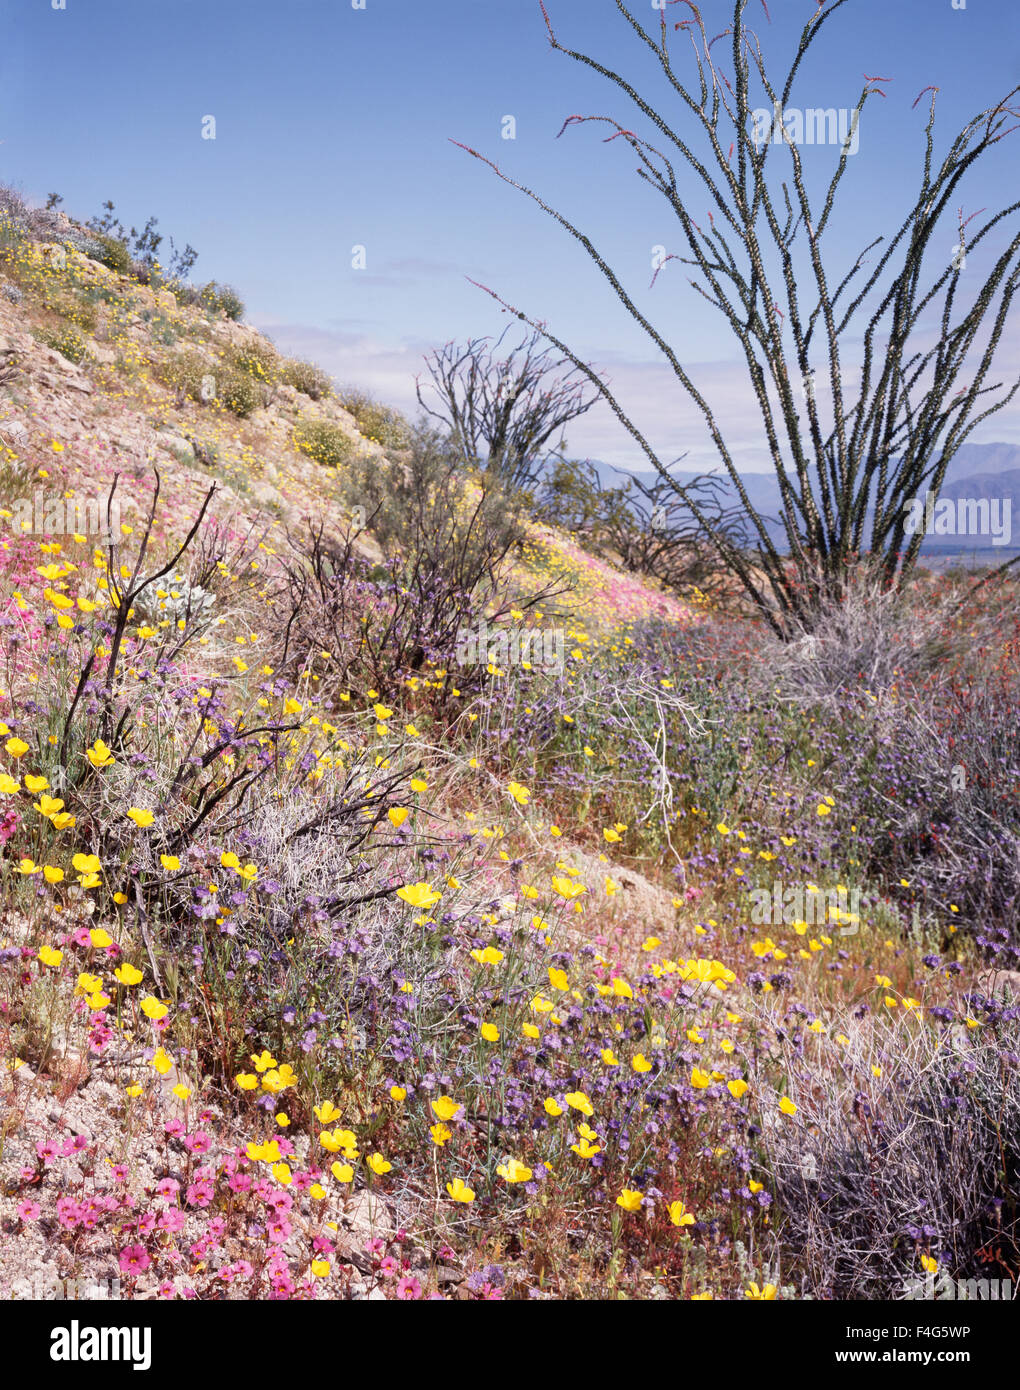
(404, 899)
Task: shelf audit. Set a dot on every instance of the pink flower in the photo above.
(29, 1210)
(90, 1214)
(389, 1267)
(278, 1230)
(173, 1128)
(198, 1143)
(134, 1259)
(199, 1194)
(408, 1288)
(167, 1188)
(173, 1219)
(47, 1151)
(68, 1212)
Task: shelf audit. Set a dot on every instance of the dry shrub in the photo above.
(876, 1171)
(870, 639)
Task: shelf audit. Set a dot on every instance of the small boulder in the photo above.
(180, 447)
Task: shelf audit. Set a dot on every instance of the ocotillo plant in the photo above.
(892, 424)
(504, 411)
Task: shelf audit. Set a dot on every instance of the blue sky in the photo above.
(333, 129)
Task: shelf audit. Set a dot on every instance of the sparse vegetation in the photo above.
(379, 424)
(324, 441)
(239, 393)
(305, 377)
(67, 341)
(222, 299)
(257, 359)
(109, 251)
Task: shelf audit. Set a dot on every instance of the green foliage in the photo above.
(11, 234)
(79, 311)
(325, 442)
(257, 359)
(184, 372)
(111, 252)
(67, 341)
(94, 295)
(573, 498)
(235, 390)
(421, 504)
(222, 299)
(305, 377)
(240, 394)
(379, 423)
(142, 248)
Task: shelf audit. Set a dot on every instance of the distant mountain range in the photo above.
(987, 474)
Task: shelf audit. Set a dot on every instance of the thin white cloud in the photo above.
(646, 390)
(356, 358)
